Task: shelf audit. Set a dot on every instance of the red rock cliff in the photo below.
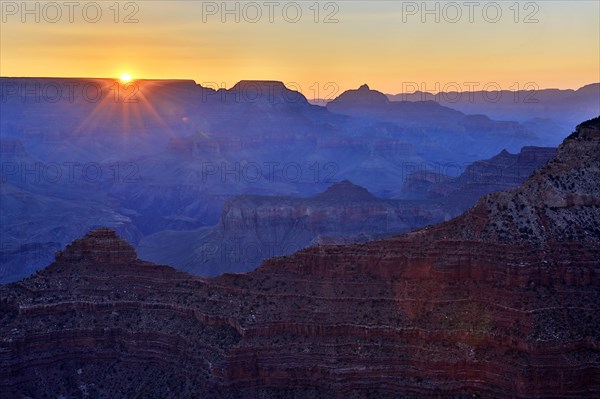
(501, 302)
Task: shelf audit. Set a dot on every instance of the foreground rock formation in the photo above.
(501, 302)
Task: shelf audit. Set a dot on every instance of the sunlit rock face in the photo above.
(502, 301)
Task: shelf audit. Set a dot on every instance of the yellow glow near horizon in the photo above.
(551, 44)
(126, 78)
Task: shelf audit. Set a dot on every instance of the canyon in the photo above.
(253, 228)
(158, 159)
(502, 301)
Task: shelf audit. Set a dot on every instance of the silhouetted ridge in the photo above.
(362, 96)
(247, 84)
(270, 91)
(345, 191)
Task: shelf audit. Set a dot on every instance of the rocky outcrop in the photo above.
(560, 202)
(254, 228)
(501, 172)
(450, 311)
(265, 91)
(365, 102)
(362, 96)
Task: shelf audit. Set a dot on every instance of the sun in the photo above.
(125, 78)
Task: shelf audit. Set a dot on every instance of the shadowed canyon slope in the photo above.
(155, 156)
(500, 302)
(254, 228)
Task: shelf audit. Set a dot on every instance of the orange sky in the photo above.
(383, 43)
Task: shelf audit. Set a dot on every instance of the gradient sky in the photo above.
(373, 42)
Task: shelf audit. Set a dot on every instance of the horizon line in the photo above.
(280, 81)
